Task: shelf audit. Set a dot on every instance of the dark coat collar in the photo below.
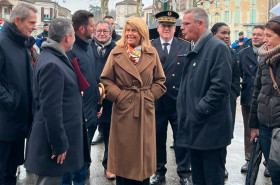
(80, 42)
(201, 43)
(13, 33)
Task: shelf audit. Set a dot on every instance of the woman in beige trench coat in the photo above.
(133, 79)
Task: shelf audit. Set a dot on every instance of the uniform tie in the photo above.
(165, 52)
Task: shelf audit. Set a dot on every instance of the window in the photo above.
(237, 17)
(236, 34)
(237, 3)
(149, 19)
(47, 13)
(207, 4)
(253, 2)
(210, 18)
(5, 10)
(227, 17)
(217, 3)
(227, 3)
(253, 15)
(217, 18)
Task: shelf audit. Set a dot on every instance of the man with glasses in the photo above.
(204, 115)
(171, 51)
(111, 20)
(248, 64)
(102, 45)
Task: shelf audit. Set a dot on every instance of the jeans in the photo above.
(265, 141)
(78, 177)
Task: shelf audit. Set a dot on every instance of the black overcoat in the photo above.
(172, 67)
(248, 65)
(100, 63)
(58, 119)
(83, 52)
(203, 104)
(15, 84)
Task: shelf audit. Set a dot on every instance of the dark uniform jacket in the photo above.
(58, 119)
(203, 101)
(172, 67)
(100, 63)
(248, 65)
(83, 52)
(265, 106)
(15, 84)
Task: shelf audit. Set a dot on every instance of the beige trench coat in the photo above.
(133, 90)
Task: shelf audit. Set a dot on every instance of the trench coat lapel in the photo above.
(145, 61)
(124, 61)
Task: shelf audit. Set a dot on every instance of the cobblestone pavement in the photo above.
(235, 159)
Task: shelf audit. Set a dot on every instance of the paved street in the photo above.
(235, 160)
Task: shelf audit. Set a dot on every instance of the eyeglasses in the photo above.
(100, 31)
(188, 23)
(257, 34)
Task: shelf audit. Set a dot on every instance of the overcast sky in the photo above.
(75, 5)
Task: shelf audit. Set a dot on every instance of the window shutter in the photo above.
(229, 17)
(210, 18)
(51, 13)
(223, 16)
(42, 14)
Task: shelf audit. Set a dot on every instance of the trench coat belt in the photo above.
(138, 97)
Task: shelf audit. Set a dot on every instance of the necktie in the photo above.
(165, 53)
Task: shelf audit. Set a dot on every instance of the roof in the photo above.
(127, 2)
(34, 1)
(5, 3)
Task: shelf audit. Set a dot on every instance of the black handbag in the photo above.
(274, 155)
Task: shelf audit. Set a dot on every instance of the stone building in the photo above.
(124, 10)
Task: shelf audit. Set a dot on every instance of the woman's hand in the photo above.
(254, 134)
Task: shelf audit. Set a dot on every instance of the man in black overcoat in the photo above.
(55, 145)
(172, 57)
(102, 45)
(248, 64)
(204, 115)
(15, 89)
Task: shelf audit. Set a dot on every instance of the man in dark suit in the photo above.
(204, 113)
(102, 46)
(248, 64)
(55, 145)
(172, 53)
(15, 89)
(83, 23)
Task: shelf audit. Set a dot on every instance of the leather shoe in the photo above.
(99, 139)
(109, 175)
(244, 168)
(266, 172)
(156, 179)
(186, 181)
(226, 173)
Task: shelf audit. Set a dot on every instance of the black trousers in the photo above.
(106, 134)
(208, 167)
(181, 154)
(11, 155)
(124, 181)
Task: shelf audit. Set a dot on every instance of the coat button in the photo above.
(173, 87)
(130, 101)
(173, 75)
(86, 120)
(178, 63)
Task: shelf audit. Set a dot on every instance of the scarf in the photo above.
(134, 53)
(101, 48)
(270, 56)
(256, 51)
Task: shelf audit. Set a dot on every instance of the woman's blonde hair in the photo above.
(138, 24)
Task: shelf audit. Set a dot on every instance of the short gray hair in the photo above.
(105, 22)
(199, 15)
(22, 10)
(59, 28)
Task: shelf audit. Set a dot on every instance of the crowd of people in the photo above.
(55, 98)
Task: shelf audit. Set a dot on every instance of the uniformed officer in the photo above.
(172, 52)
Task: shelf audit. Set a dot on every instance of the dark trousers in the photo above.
(208, 167)
(78, 177)
(124, 181)
(265, 141)
(11, 155)
(247, 132)
(106, 134)
(181, 154)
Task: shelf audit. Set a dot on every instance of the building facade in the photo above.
(124, 10)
